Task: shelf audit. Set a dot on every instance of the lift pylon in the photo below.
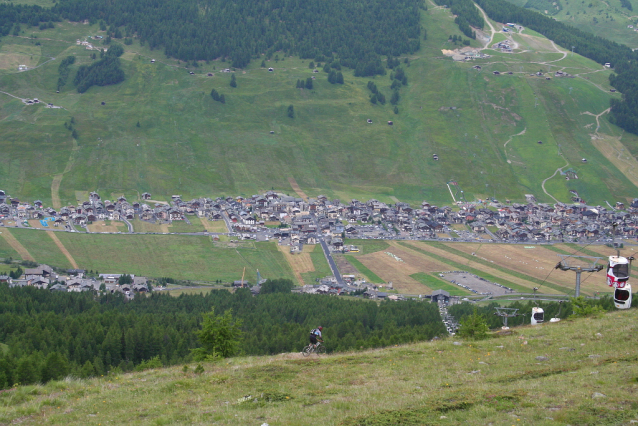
(578, 264)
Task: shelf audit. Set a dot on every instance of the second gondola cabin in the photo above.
(538, 315)
(622, 297)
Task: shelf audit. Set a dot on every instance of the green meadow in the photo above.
(182, 257)
(188, 144)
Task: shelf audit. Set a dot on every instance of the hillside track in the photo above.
(15, 244)
(297, 189)
(509, 140)
(63, 249)
(560, 169)
(487, 21)
(57, 179)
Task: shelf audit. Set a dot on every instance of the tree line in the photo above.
(624, 112)
(356, 32)
(51, 334)
(466, 14)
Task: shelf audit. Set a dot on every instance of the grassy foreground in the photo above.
(588, 376)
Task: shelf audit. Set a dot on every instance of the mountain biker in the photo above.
(315, 335)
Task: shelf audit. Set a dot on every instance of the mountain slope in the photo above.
(572, 372)
(188, 144)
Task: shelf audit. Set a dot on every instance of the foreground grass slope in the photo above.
(188, 144)
(587, 376)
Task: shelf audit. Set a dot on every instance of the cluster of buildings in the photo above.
(75, 280)
(304, 221)
(88, 45)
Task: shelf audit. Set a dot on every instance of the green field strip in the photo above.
(499, 268)
(42, 247)
(557, 250)
(367, 246)
(364, 270)
(435, 283)
(319, 262)
(461, 267)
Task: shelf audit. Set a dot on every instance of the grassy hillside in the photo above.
(586, 376)
(187, 143)
(605, 18)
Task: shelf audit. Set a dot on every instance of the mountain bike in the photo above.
(320, 349)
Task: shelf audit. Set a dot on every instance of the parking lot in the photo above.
(474, 283)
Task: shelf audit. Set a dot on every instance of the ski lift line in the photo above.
(573, 254)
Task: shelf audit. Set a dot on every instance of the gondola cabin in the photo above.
(617, 271)
(622, 297)
(538, 316)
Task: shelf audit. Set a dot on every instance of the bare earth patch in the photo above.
(63, 249)
(214, 225)
(463, 261)
(537, 262)
(297, 189)
(101, 226)
(299, 263)
(389, 269)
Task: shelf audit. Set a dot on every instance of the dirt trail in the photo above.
(487, 21)
(57, 179)
(560, 169)
(597, 116)
(558, 51)
(15, 244)
(297, 189)
(63, 249)
(509, 140)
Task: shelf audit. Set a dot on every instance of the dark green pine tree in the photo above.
(233, 81)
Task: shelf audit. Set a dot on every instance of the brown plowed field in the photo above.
(389, 269)
(493, 271)
(300, 262)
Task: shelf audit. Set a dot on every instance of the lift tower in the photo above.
(578, 264)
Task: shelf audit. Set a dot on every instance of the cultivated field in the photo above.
(399, 273)
(142, 226)
(537, 262)
(107, 226)
(214, 225)
(508, 264)
(300, 263)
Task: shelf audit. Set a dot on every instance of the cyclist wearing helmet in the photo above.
(315, 335)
